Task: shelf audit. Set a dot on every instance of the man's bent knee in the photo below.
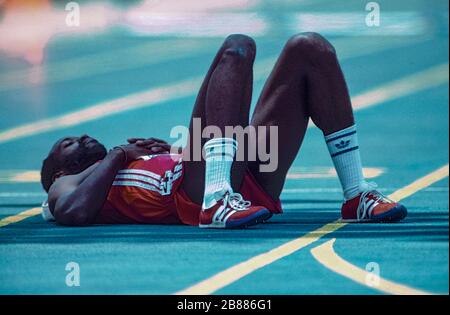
(241, 46)
(312, 45)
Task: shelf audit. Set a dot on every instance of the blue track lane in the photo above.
(407, 137)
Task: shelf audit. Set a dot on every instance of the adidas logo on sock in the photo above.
(343, 144)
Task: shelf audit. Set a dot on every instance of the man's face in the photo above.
(75, 154)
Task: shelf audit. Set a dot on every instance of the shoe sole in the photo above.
(394, 215)
(268, 218)
(256, 218)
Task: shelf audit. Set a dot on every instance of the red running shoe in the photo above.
(232, 212)
(372, 206)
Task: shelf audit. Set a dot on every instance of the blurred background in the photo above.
(120, 69)
(28, 28)
(69, 67)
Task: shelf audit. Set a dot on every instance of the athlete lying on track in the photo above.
(141, 182)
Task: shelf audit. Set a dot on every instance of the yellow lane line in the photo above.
(236, 272)
(21, 216)
(171, 92)
(326, 255)
(421, 183)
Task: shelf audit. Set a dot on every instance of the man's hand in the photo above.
(154, 145)
(133, 151)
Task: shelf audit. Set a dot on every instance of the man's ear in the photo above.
(57, 175)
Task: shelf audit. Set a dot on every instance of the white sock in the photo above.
(219, 155)
(344, 150)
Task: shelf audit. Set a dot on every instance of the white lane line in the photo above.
(318, 172)
(174, 91)
(104, 62)
(197, 24)
(14, 194)
(287, 191)
(135, 101)
(34, 176)
(399, 23)
(320, 190)
(414, 83)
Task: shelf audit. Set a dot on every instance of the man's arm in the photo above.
(157, 146)
(77, 199)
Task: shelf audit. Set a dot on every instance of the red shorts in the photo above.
(189, 212)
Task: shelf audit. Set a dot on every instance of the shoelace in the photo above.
(365, 207)
(237, 202)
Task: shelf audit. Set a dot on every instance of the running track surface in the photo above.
(402, 84)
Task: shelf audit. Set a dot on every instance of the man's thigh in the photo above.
(281, 105)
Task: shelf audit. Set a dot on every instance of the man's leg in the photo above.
(223, 100)
(307, 82)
